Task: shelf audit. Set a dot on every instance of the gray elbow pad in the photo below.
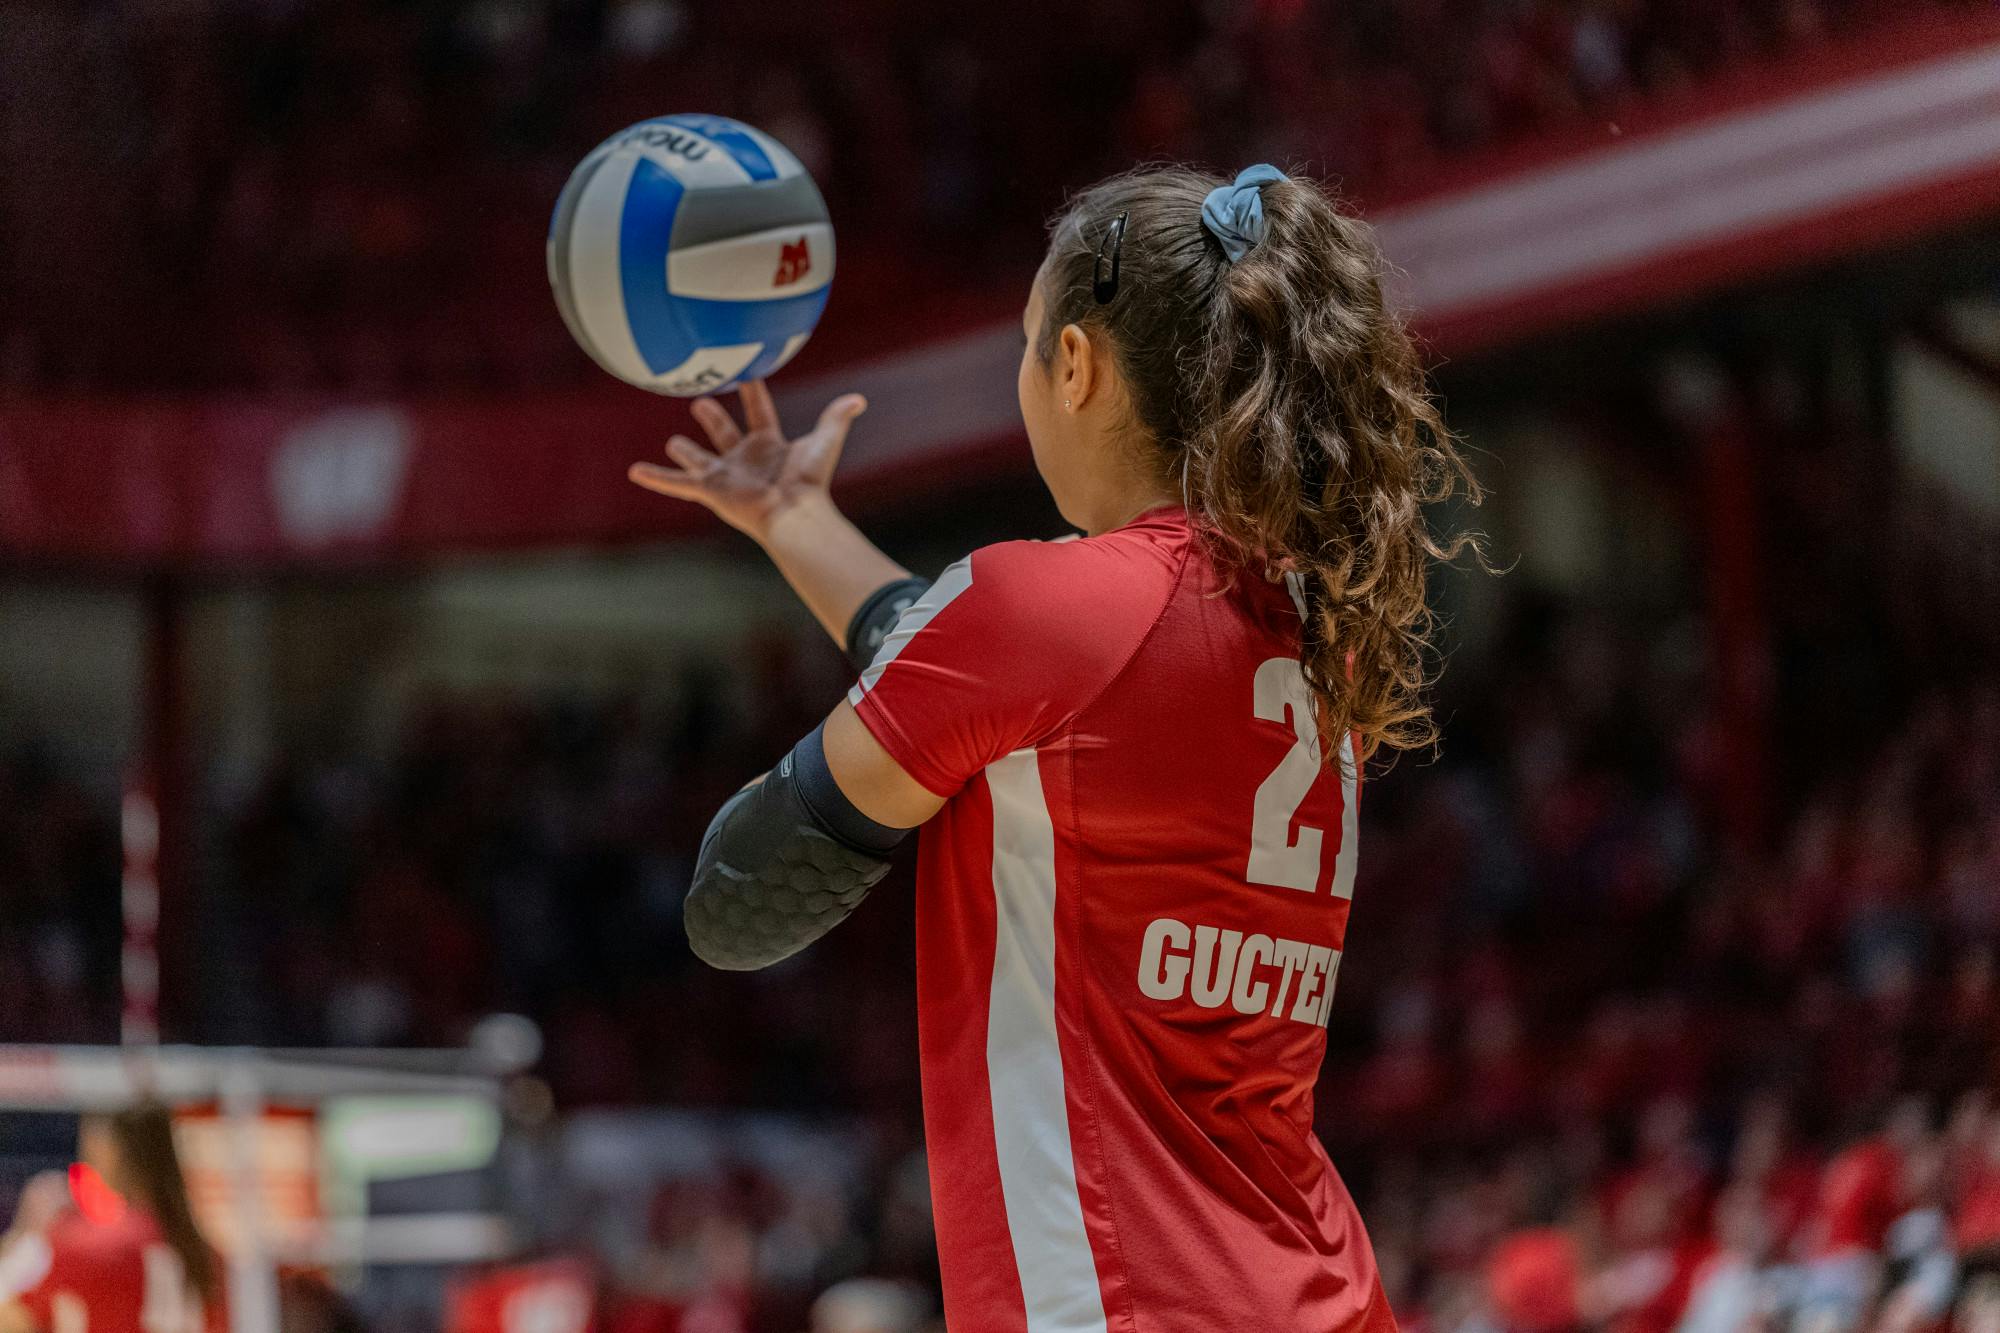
(783, 863)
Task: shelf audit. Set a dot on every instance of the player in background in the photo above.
(128, 1260)
(1136, 757)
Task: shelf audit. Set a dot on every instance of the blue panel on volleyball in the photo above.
(643, 234)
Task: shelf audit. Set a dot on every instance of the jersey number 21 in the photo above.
(1280, 694)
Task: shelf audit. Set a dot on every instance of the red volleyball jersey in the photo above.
(1130, 914)
(104, 1277)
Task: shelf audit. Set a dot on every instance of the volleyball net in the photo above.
(307, 1160)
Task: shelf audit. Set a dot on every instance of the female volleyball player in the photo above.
(132, 1262)
(1136, 756)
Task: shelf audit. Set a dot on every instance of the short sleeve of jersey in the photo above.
(1003, 651)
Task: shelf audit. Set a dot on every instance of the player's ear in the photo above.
(1076, 366)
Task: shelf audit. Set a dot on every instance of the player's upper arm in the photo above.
(14, 1318)
(870, 778)
(998, 655)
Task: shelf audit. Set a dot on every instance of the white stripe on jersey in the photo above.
(1024, 1063)
(955, 580)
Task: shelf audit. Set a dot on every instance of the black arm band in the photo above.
(878, 615)
(783, 863)
(828, 804)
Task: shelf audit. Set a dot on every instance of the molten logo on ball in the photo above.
(794, 262)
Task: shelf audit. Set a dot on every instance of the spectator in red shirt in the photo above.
(1860, 1196)
(1533, 1282)
(1976, 1227)
(1787, 1179)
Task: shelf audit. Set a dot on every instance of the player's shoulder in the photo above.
(1125, 570)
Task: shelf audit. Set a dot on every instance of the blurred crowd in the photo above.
(353, 195)
(1601, 1070)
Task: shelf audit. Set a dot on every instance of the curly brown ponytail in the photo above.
(1284, 399)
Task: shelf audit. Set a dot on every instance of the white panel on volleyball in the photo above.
(597, 287)
(781, 157)
(712, 168)
(705, 370)
(671, 147)
(784, 261)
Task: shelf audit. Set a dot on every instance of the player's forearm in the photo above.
(829, 563)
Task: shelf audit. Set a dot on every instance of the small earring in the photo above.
(1065, 402)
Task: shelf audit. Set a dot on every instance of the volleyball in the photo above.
(689, 254)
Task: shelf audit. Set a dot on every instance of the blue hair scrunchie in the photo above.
(1234, 213)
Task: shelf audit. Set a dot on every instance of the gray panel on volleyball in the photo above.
(719, 213)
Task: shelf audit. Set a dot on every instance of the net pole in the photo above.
(155, 808)
(253, 1276)
(139, 957)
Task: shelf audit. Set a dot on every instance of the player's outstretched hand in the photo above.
(45, 1196)
(749, 474)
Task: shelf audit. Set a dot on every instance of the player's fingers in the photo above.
(822, 448)
(819, 453)
(759, 412)
(838, 415)
(715, 419)
(842, 411)
(666, 481)
(694, 460)
(44, 1197)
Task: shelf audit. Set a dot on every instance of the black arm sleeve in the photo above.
(783, 863)
(874, 618)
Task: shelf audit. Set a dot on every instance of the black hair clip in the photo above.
(1104, 285)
